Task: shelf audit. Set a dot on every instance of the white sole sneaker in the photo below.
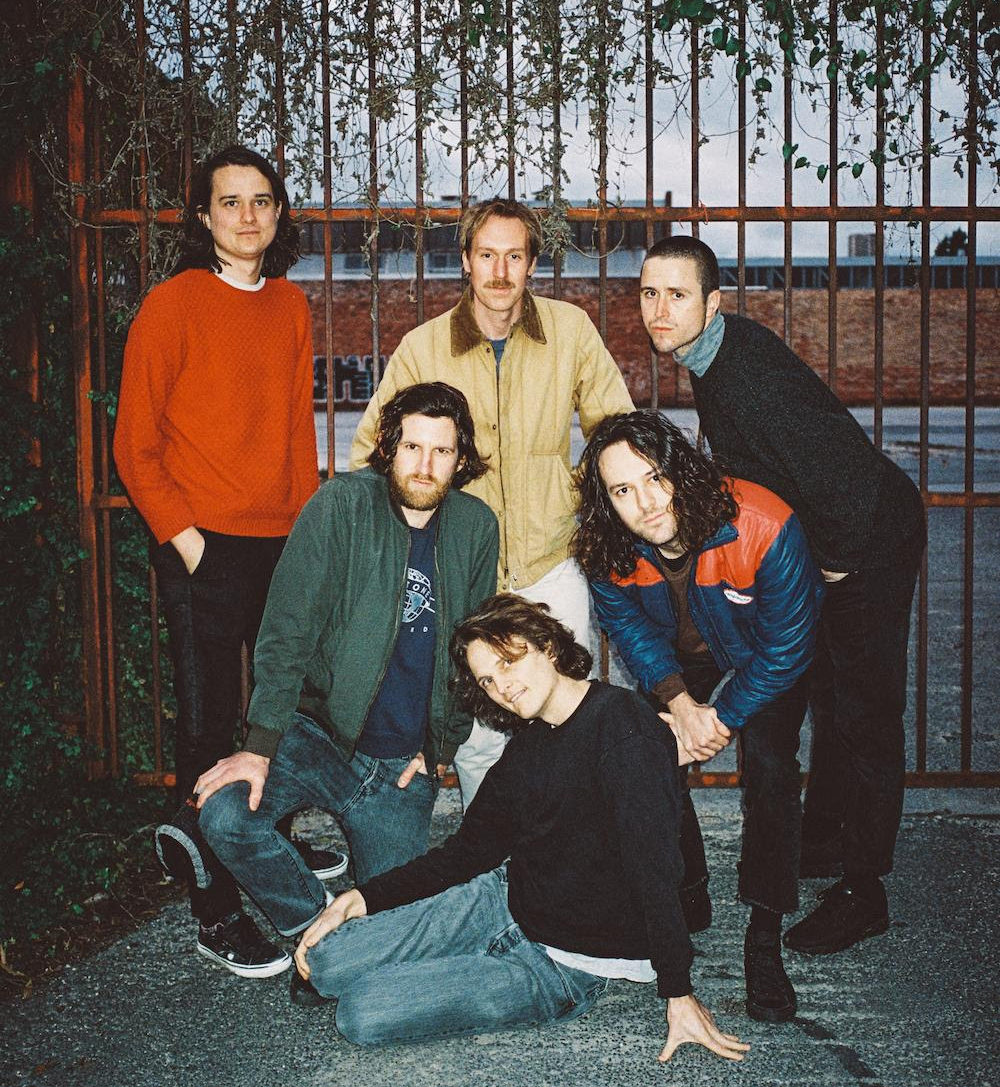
(263, 970)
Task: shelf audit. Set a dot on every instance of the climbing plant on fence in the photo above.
(498, 95)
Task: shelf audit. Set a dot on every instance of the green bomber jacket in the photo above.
(334, 607)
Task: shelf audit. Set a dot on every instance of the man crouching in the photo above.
(459, 942)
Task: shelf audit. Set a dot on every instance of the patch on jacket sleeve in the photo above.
(737, 597)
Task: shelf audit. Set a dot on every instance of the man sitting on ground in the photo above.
(457, 941)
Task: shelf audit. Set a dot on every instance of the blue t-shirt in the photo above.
(397, 720)
(498, 346)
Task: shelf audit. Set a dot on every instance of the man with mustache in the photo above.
(525, 364)
(351, 711)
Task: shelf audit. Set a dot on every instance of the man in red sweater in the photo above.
(216, 445)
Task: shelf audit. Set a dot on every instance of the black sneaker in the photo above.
(696, 907)
(842, 919)
(770, 996)
(324, 863)
(181, 848)
(236, 943)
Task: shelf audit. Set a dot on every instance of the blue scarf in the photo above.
(700, 354)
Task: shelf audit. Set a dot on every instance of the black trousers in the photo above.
(211, 614)
(772, 810)
(857, 700)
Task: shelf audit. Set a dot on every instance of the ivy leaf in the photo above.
(801, 161)
(859, 57)
(870, 81)
(742, 69)
(763, 84)
(720, 36)
(788, 149)
(692, 9)
(822, 171)
(732, 47)
(857, 169)
(816, 55)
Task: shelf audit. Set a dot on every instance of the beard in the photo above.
(411, 497)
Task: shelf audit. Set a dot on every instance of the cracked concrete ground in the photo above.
(916, 1007)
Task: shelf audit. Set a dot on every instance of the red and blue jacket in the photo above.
(754, 595)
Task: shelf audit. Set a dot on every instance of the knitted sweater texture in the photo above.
(770, 419)
(215, 425)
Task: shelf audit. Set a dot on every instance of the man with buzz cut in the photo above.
(699, 578)
(526, 364)
(351, 710)
(769, 418)
(216, 445)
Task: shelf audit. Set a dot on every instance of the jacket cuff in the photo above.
(262, 741)
(668, 688)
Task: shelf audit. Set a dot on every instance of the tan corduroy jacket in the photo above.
(554, 363)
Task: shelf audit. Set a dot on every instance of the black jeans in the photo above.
(211, 614)
(857, 700)
(772, 810)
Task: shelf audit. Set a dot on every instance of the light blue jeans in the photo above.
(453, 964)
(384, 825)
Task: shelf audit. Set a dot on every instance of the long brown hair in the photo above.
(702, 502)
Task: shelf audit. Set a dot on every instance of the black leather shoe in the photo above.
(770, 996)
(842, 919)
(303, 994)
(696, 907)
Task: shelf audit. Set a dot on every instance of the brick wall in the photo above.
(628, 343)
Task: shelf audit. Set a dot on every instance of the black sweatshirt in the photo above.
(588, 813)
(770, 419)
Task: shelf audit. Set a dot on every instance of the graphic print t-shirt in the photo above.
(397, 720)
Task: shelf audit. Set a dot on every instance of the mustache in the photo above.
(499, 283)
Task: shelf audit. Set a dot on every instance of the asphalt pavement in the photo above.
(915, 1007)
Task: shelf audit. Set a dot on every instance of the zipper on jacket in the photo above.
(503, 496)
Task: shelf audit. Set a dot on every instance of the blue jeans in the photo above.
(385, 826)
(453, 964)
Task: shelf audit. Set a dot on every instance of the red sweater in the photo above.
(215, 424)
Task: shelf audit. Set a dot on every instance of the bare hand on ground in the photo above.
(688, 1020)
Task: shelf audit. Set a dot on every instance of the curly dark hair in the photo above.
(702, 500)
(438, 400)
(199, 249)
(510, 625)
(693, 249)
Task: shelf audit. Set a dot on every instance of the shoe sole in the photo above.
(180, 857)
(265, 970)
(331, 873)
(875, 929)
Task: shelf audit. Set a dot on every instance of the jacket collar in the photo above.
(465, 333)
(725, 535)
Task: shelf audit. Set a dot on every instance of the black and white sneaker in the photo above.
(324, 863)
(236, 943)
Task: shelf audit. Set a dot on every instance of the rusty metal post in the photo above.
(93, 679)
